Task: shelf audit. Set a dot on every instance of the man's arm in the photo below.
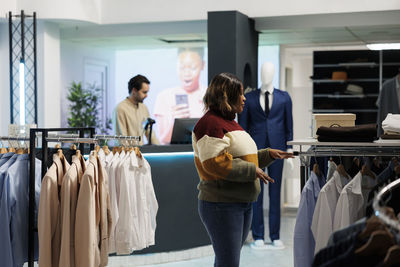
(120, 123)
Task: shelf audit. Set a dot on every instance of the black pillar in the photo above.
(232, 46)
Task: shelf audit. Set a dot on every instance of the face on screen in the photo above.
(190, 64)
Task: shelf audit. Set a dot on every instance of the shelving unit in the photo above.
(365, 68)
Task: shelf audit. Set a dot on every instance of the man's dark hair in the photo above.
(136, 82)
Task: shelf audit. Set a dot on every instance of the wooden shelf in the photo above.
(346, 96)
(344, 81)
(349, 65)
(344, 110)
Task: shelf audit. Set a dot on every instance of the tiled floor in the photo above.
(204, 257)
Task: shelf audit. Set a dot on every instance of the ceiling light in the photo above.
(386, 46)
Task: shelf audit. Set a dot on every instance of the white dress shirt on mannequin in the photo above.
(267, 76)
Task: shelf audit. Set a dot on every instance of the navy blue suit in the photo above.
(272, 132)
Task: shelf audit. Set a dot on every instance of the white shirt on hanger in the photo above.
(324, 213)
(351, 206)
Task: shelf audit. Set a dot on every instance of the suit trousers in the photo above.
(257, 225)
(228, 225)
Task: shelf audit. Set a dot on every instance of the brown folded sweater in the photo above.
(358, 133)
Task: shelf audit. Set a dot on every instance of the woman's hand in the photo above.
(263, 176)
(279, 154)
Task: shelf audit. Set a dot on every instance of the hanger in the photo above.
(137, 152)
(392, 257)
(93, 153)
(10, 147)
(19, 150)
(378, 243)
(77, 151)
(105, 147)
(372, 224)
(106, 150)
(316, 167)
(3, 149)
(115, 150)
(397, 170)
(341, 170)
(365, 170)
(59, 151)
(131, 147)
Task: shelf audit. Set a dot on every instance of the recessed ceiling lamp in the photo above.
(386, 46)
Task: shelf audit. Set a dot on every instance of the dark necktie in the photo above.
(266, 103)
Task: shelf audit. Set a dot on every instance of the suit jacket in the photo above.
(273, 131)
(69, 198)
(105, 215)
(92, 217)
(49, 219)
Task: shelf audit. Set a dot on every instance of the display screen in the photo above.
(178, 81)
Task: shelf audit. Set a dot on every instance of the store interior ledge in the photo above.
(166, 148)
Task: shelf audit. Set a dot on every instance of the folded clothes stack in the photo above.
(358, 133)
(391, 126)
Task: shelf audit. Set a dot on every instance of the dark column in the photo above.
(232, 46)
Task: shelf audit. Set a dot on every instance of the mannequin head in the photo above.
(267, 74)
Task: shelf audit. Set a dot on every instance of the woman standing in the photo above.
(229, 165)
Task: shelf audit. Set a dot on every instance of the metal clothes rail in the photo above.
(44, 134)
(312, 148)
(47, 136)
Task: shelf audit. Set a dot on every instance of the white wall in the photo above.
(125, 11)
(128, 11)
(4, 80)
(73, 57)
(87, 10)
(48, 64)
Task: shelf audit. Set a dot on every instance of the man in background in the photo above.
(185, 100)
(131, 114)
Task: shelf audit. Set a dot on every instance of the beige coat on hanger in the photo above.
(49, 219)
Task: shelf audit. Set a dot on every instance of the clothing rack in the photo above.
(378, 209)
(45, 134)
(117, 137)
(312, 148)
(12, 138)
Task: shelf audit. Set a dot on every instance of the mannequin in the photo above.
(271, 128)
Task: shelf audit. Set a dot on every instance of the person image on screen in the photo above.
(131, 114)
(185, 100)
(229, 166)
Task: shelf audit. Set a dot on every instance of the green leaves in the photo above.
(85, 108)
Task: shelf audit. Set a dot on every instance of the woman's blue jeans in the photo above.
(228, 225)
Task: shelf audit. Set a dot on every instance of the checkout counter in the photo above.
(175, 182)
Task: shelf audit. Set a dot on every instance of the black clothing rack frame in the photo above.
(32, 228)
(326, 149)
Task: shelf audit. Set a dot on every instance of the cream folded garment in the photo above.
(391, 125)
